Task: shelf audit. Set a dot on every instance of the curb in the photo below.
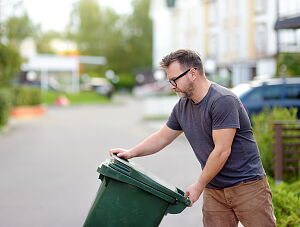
(27, 111)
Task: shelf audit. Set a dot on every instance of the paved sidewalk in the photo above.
(48, 164)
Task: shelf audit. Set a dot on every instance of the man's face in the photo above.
(183, 86)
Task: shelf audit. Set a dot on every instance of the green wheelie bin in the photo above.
(131, 197)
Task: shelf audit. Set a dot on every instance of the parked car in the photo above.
(100, 85)
(279, 92)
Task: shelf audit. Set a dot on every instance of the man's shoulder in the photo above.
(221, 92)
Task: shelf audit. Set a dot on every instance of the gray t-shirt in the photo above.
(219, 109)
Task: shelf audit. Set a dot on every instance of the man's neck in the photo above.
(200, 90)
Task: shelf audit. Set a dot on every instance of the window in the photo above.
(293, 91)
(213, 46)
(272, 92)
(260, 6)
(224, 5)
(213, 12)
(237, 6)
(261, 38)
(255, 95)
(171, 3)
(236, 38)
(288, 37)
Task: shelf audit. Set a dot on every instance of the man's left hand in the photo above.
(193, 192)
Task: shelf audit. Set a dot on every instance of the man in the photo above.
(218, 128)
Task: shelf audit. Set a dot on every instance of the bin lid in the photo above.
(132, 170)
(141, 174)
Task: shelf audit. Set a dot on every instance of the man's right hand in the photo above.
(122, 153)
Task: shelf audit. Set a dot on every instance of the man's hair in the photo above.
(186, 58)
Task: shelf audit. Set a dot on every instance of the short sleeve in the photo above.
(225, 113)
(172, 122)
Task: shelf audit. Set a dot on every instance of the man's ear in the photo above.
(193, 75)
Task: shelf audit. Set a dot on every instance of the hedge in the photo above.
(17, 96)
(286, 202)
(5, 105)
(27, 96)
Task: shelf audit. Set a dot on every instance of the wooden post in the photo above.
(278, 168)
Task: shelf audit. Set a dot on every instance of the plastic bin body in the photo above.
(119, 204)
(126, 201)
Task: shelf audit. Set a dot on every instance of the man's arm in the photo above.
(223, 140)
(150, 145)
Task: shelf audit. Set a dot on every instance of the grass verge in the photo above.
(83, 97)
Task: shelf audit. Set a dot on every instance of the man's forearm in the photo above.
(150, 145)
(155, 142)
(214, 164)
(223, 141)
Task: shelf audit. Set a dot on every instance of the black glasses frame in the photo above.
(173, 81)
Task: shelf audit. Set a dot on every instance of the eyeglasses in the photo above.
(173, 81)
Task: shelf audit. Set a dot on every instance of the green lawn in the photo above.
(84, 97)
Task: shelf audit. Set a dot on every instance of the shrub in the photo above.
(264, 132)
(27, 96)
(291, 61)
(286, 204)
(126, 81)
(5, 106)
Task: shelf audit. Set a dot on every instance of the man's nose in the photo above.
(173, 86)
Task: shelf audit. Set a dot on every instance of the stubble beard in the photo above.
(185, 94)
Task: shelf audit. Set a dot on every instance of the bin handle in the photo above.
(119, 165)
(117, 157)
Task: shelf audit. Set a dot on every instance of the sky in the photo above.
(54, 14)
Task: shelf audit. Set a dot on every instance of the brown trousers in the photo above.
(248, 202)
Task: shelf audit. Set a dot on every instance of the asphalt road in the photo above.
(48, 164)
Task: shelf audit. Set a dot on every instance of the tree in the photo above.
(140, 39)
(85, 27)
(43, 40)
(10, 62)
(131, 48)
(16, 29)
(126, 41)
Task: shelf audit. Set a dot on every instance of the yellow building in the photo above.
(239, 38)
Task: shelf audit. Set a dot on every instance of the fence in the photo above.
(286, 149)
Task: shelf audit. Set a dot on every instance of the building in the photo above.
(176, 24)
(288, 26)
(239, 38)
(236, 39)
(56, 72)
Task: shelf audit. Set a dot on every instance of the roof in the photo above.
(51, 63)
(288, 23)
(48, 62)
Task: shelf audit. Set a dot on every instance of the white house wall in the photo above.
(175, 28)
(162, 27)
(268, 18)
(265, 68)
